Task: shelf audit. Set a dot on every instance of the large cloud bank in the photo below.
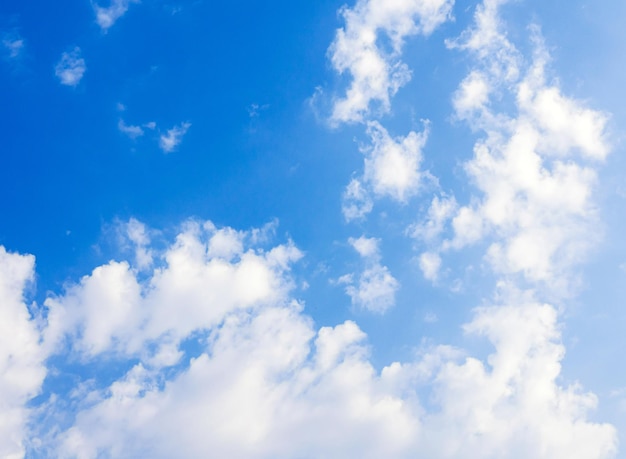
(211, 354)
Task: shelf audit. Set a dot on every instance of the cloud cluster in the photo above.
(261, 381)
(377, 72)
(22, 368)
(369, 48)
(210, 354)
(535, 169)
(71, 68)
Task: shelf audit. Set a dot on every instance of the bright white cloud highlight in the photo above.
(392, 165)
(107, 16)
(173, 137)
(71, 68)
(376, 72)
(22, 368)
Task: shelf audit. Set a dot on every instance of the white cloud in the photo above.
(137, 234)
(267, 384)
(430, 263)
(107, 16)
(375, 289)
(169, 141)
(535, 170)
(392, 166)
(377, 73)
(391, 169)
(71, 68)
(195, 280)
(439, 212)
(263, 382)
(14, 45)
(356, 202)
(366, 247)
(22, 370)
(131, 131)
(513, 407)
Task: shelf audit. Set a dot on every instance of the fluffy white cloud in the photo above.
(22, 370)
(170, 140)
(513, 407)
(263, 382)
(375, 289)
(71, 68)
(391, 169)
(107, 16)
(535, 168)
(392, 166)
(204, 274)
(377, 73)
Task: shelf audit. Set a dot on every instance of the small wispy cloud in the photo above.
(170, 140)
(107, 16)
(13, 46)
(131, 131)
(71, 68)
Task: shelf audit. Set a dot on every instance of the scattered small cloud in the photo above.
(131, 131)
(254, 110)
(170, 140)
(71, 68)
(430, 318)
(107, 16)
(13, 46)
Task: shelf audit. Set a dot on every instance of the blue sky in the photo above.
(364, 229)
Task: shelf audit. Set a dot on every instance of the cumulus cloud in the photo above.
(214, 357)
(263, 382)
(198, 279)
(22, 368)
(71, 68)
(375, 288)
(377, 72)
(107, 16)
(173, 137)
(534, 168)
(391, 169)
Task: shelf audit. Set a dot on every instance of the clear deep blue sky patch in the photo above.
(315, 229)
